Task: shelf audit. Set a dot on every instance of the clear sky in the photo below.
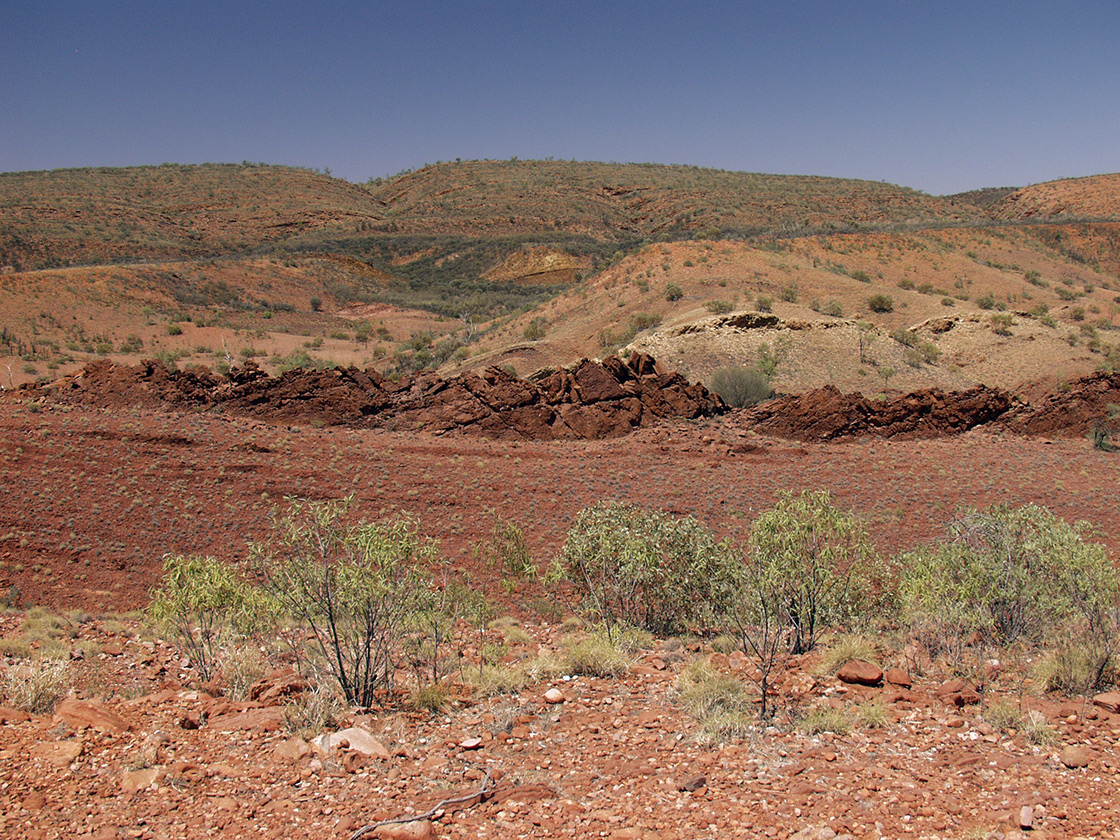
(940, 96)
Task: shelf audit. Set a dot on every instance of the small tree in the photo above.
(819, 558)
(356, 587)
(205, 602)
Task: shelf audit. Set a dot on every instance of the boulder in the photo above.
(860, 672)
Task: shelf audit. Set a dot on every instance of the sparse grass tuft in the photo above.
(826, 719)
(871, 715)
(241, 666)
(432, 697)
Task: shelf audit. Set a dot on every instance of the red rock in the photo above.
(1109, 701)
(135, 780)
(267, 720)
(91, 714)
(896, 676)
(859, 672)
(1073, 756)
(415, 830)
(10, 715)
(277, 687)
(293, 749)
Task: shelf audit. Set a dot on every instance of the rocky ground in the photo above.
(140, 750)
(93, 496)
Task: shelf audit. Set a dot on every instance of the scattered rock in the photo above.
(692, 783)
(59, 753)
(470, 744)
(1026, 818)
(860, 672)
(1073, 756)
(554, 696)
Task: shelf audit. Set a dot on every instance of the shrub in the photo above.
(1009, 574)
(642, 568)
(833, 308)
(986, 301)
(355, 587)
(673, 292)
(788, 294)
(764, 303)
(808, 567)
(174, 329)
(534, 330)
(316, 304)
(880, 303)
(205, 603)
(740, 386)
(719, 307)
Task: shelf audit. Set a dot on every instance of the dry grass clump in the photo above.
(241, 666)
(313, 711)
(36, 687)
(719, 702)
(845, 648)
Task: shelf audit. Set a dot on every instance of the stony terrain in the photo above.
(141, 750)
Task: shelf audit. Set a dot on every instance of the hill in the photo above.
(537, 264)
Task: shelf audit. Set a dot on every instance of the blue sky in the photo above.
(939, 96)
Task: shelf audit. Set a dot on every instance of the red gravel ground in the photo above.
(92, 499)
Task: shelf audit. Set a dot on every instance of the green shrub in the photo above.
(833, 308)
(740, 386)
(673, 292)
(719, 307)
(643, 568)
(1009, 574)
(356, 587)
(764, 303)
(880, 303)
(205, 603)
(788, 294)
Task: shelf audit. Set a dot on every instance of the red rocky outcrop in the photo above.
(591, 400)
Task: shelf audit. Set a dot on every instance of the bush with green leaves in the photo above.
(647, 569)
(206, 604)
(809, 567)
(1011, 574)
(821, 560)
(880, 303)
(741, 386)
(356, 587)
